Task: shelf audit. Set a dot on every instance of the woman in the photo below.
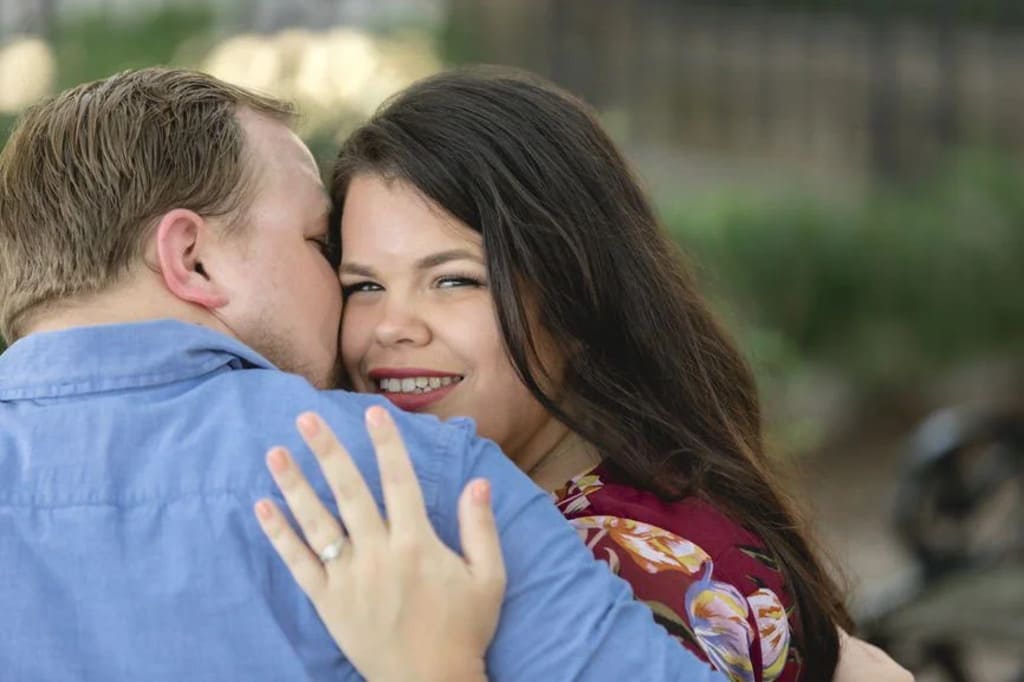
(500, 262)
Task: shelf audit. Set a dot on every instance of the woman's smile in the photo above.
(412, 389)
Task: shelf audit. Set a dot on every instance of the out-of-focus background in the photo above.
(848, 175)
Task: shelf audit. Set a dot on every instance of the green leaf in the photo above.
(761, 555)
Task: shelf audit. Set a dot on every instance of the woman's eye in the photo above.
(453, 281)
(359, 287)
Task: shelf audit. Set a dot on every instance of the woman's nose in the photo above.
(401, 323)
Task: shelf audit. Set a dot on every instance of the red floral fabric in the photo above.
(708, 580)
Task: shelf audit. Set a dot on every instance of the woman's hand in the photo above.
(401, 605)
(860, 661)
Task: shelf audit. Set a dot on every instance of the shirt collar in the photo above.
(117, 356)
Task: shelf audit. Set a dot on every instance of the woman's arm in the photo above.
(863, 662)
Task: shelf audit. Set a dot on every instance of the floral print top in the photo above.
(708, 580)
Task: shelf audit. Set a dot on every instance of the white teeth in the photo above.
(416, 384)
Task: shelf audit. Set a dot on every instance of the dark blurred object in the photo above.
(960, 512)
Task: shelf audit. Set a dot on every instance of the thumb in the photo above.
(479, 533)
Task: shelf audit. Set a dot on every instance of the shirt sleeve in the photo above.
(565, 615)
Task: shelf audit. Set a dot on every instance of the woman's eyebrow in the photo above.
(441, 257)
(357, 269)
(425, 263)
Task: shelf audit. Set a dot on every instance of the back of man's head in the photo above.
(86, 175)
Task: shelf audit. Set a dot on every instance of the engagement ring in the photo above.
(332, 551)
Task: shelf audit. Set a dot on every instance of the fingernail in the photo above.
(481, 492)
(264, 510)
(277, 461)
(375, 416)
(308, 425)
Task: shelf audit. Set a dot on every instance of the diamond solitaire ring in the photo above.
(332, 551)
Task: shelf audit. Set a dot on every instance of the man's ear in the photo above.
(182, 239)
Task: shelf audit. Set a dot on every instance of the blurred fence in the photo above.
(858, 86)
(845, 87)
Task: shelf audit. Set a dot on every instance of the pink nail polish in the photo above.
(308, 425)
(264, 510)
(481, 492)
(375, 416)
(277, 461)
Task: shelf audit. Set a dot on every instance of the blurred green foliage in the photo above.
(914, 279)
(93, 44)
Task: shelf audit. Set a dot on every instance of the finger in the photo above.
(407, 516)
(317, 524)
(355, 502)
(481, 545)
(304, 566)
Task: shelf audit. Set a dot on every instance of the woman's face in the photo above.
(419, 324)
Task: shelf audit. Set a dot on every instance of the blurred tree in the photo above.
(889, 292)
(97, 43)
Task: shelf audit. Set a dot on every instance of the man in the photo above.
(163, 255)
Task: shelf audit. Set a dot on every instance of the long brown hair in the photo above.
(651, 379)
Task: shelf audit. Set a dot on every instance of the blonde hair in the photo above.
(86, 175)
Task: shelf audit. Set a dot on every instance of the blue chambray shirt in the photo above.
(130, 458)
